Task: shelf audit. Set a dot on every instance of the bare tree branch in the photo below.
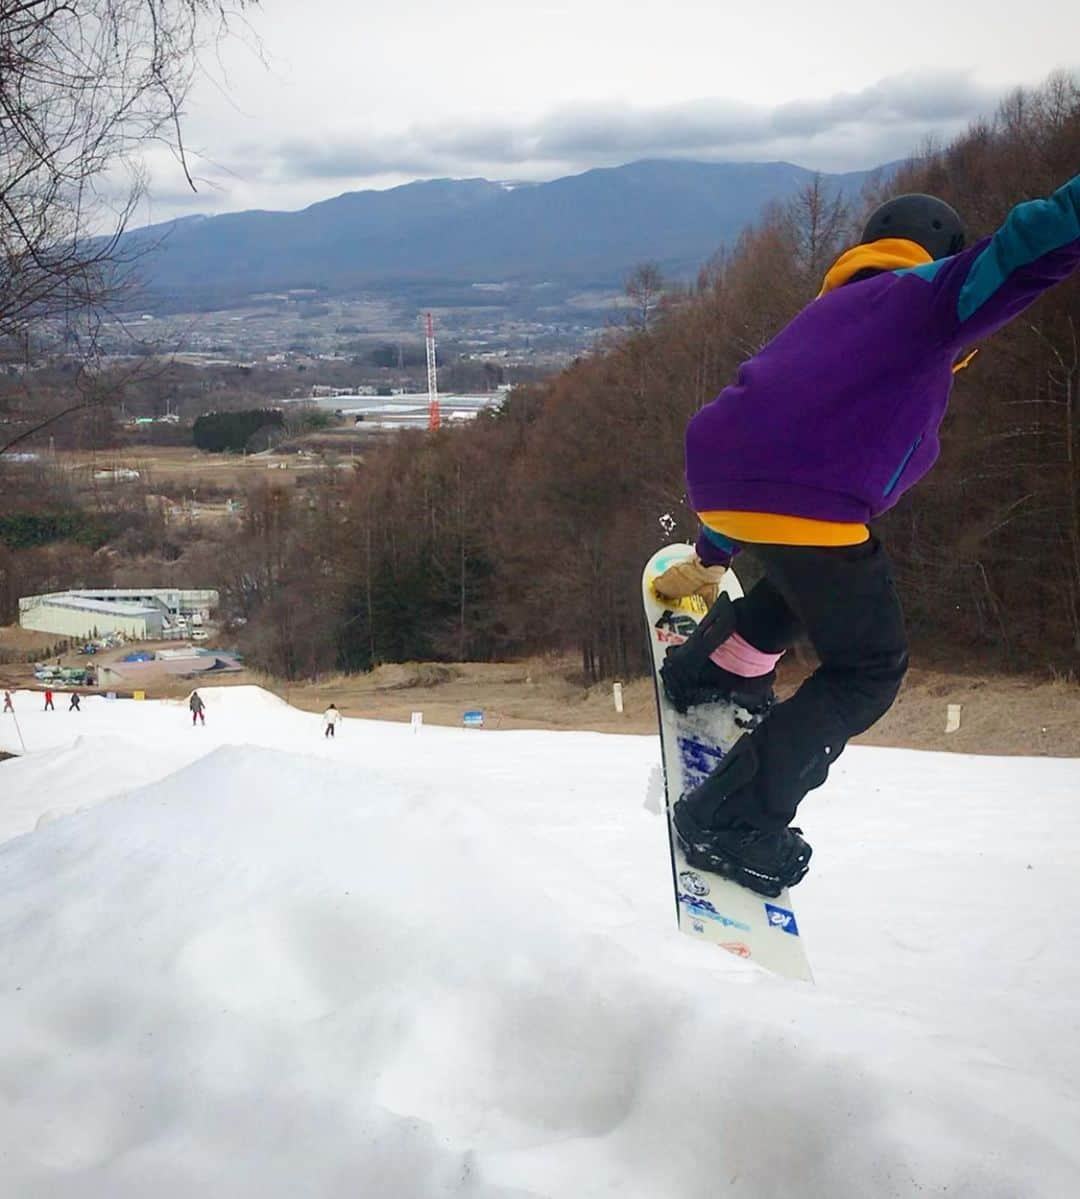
(83, 85)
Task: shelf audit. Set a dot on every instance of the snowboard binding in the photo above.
(690, 679)
(763, 862)
(684, 664)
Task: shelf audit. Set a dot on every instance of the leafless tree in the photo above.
(83, 85)
(645, 290)
(819, 222)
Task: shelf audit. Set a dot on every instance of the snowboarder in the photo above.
(331, 719)
(9, 705)
(75, 701)
(48, 702)
(198, 709)
(823, 430)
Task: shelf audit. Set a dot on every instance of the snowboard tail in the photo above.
(710, 906)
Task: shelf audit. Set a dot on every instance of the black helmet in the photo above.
(930, 222)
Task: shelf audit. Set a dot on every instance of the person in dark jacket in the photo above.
(198, 709)
(822, 431)
(73, 706)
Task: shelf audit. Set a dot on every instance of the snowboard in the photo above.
(710, 908)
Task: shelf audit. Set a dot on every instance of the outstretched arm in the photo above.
(985, 286)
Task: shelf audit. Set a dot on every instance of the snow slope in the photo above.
(242, 960)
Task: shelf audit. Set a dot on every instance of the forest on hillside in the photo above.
(526, 531)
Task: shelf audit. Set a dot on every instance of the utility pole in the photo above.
(432, 377)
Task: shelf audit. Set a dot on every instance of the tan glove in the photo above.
(690, 577)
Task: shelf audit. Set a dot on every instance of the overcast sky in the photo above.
(324, 96)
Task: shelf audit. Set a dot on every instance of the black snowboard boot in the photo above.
(715, 839)
(761, 861)
(715, 683)
(691, 678)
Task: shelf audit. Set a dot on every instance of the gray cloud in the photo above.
(847, 131)
(890, 116)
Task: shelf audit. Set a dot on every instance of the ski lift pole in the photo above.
(18, 730)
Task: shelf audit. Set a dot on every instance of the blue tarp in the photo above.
(141, 656)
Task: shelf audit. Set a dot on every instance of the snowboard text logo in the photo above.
(674, 626)
(781, 918)
(699, 908)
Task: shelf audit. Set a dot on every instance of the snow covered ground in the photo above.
(242, 961)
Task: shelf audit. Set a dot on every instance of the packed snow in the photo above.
(243, 960)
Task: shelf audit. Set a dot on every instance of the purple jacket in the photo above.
(838, 415)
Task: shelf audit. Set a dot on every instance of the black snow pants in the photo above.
(845, 600)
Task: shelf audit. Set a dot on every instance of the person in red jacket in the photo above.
(48, 702)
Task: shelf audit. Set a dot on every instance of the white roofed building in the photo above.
(138, 613)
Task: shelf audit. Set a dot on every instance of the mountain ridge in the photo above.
(589, 229)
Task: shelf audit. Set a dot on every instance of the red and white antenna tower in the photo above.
(434, 419)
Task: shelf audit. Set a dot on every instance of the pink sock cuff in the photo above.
(738, 656)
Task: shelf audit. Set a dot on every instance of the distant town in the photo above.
(301, 328)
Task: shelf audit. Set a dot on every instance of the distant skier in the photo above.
(9, 705)
(823, 430)
(198, 709)
(331, 719)
(75, 701)
(48, 702)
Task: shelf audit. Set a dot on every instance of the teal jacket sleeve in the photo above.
(985, 286)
